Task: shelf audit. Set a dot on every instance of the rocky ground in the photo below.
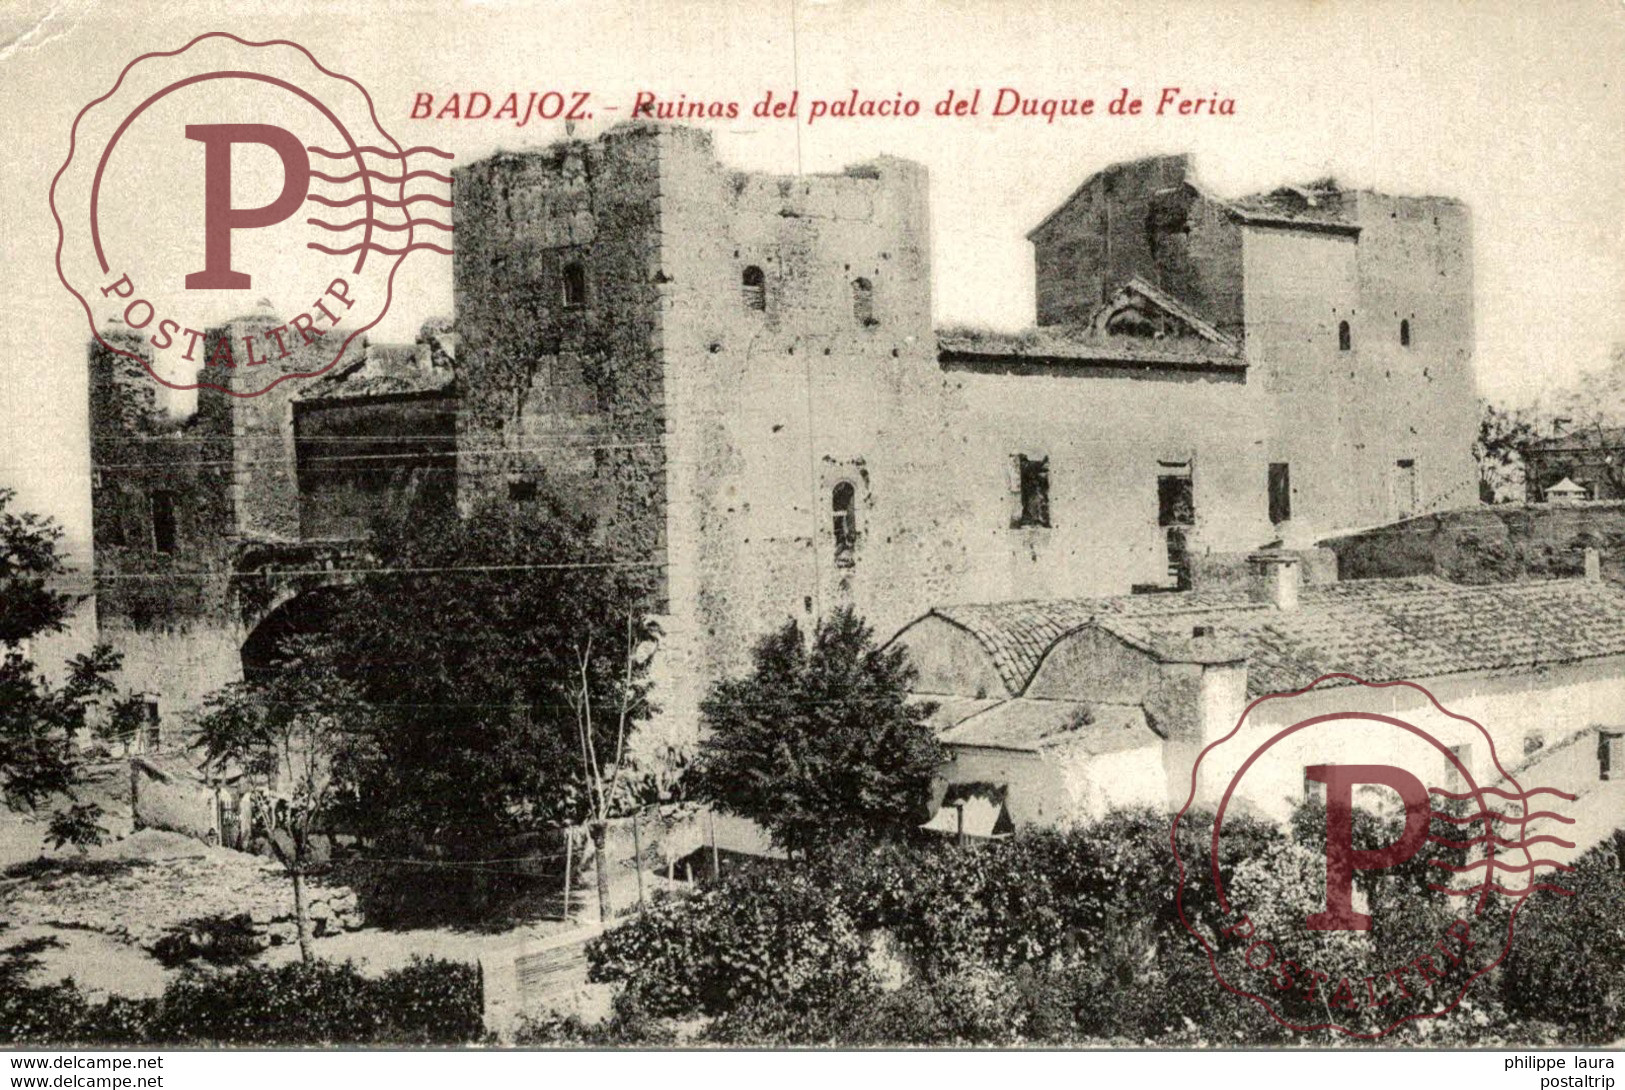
(105, 909)
(138, 889)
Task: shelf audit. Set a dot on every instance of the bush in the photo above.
(432, 1001)
(218, 940)
(969, 1007)
(761, 934)
(428, 1002)
(1566, 965)
(629, 1024)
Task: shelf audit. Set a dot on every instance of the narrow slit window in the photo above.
(844, 506)
(152, 729)
(1280, 492)
(575, 285)
(163, 521)
(753, 288)
(1345, 338)
(1405, 332)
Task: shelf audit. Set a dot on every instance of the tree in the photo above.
(820, 741)
(506, 657)
(603, 771)
(1566, 964)
(1502, 435)
(40, 722)
(295, 733)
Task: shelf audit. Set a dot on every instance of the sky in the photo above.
(1514, 108)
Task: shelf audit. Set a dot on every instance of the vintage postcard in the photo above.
(824, 524)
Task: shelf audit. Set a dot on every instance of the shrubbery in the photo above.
(1059, 937)
(1566, 966)
(218, 940)
(428, 1002)
(760, 936)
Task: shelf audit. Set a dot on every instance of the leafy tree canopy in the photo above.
(506, 657)
(820, 739)
(40, 721)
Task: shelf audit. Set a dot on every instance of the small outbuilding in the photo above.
(1566, 491)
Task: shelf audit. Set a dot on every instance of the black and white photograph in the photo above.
(824, 525)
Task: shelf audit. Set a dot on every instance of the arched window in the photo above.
(1345, 340)
(1405, 332)
(844, 502)
(753, 287)
(575, 285)
(863, 301)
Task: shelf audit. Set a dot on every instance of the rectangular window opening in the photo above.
(1463, 754)
(1032, 477)
(522, 491)
(163, 521)
(1176, 501)
(1610, 754)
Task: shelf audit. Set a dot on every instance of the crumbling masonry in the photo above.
(739, 375)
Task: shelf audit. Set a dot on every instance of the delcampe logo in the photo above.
(226, 172)
(1396, 893)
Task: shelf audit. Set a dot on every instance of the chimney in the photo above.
(1274, 579)
(1593, 564)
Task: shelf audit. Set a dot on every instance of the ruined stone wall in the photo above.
(1142, 219)
(778, 398)
(1107, 440)
(1300, 285)
(225, 474)
(1098, 238)
(265, 488)
(556, 279)
(1419, 401)
(361, 458)
(827, 376)
(165, 610)
(1197, 255)
(1489, 543)
(1347, 420)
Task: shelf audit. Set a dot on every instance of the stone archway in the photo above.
(308, 612)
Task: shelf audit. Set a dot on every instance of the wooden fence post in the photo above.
(569, 857)
(716, 862)
(637, 853)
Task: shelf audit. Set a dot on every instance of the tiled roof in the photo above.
(1015, 635)
(1376, 629)
(1033, 725)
